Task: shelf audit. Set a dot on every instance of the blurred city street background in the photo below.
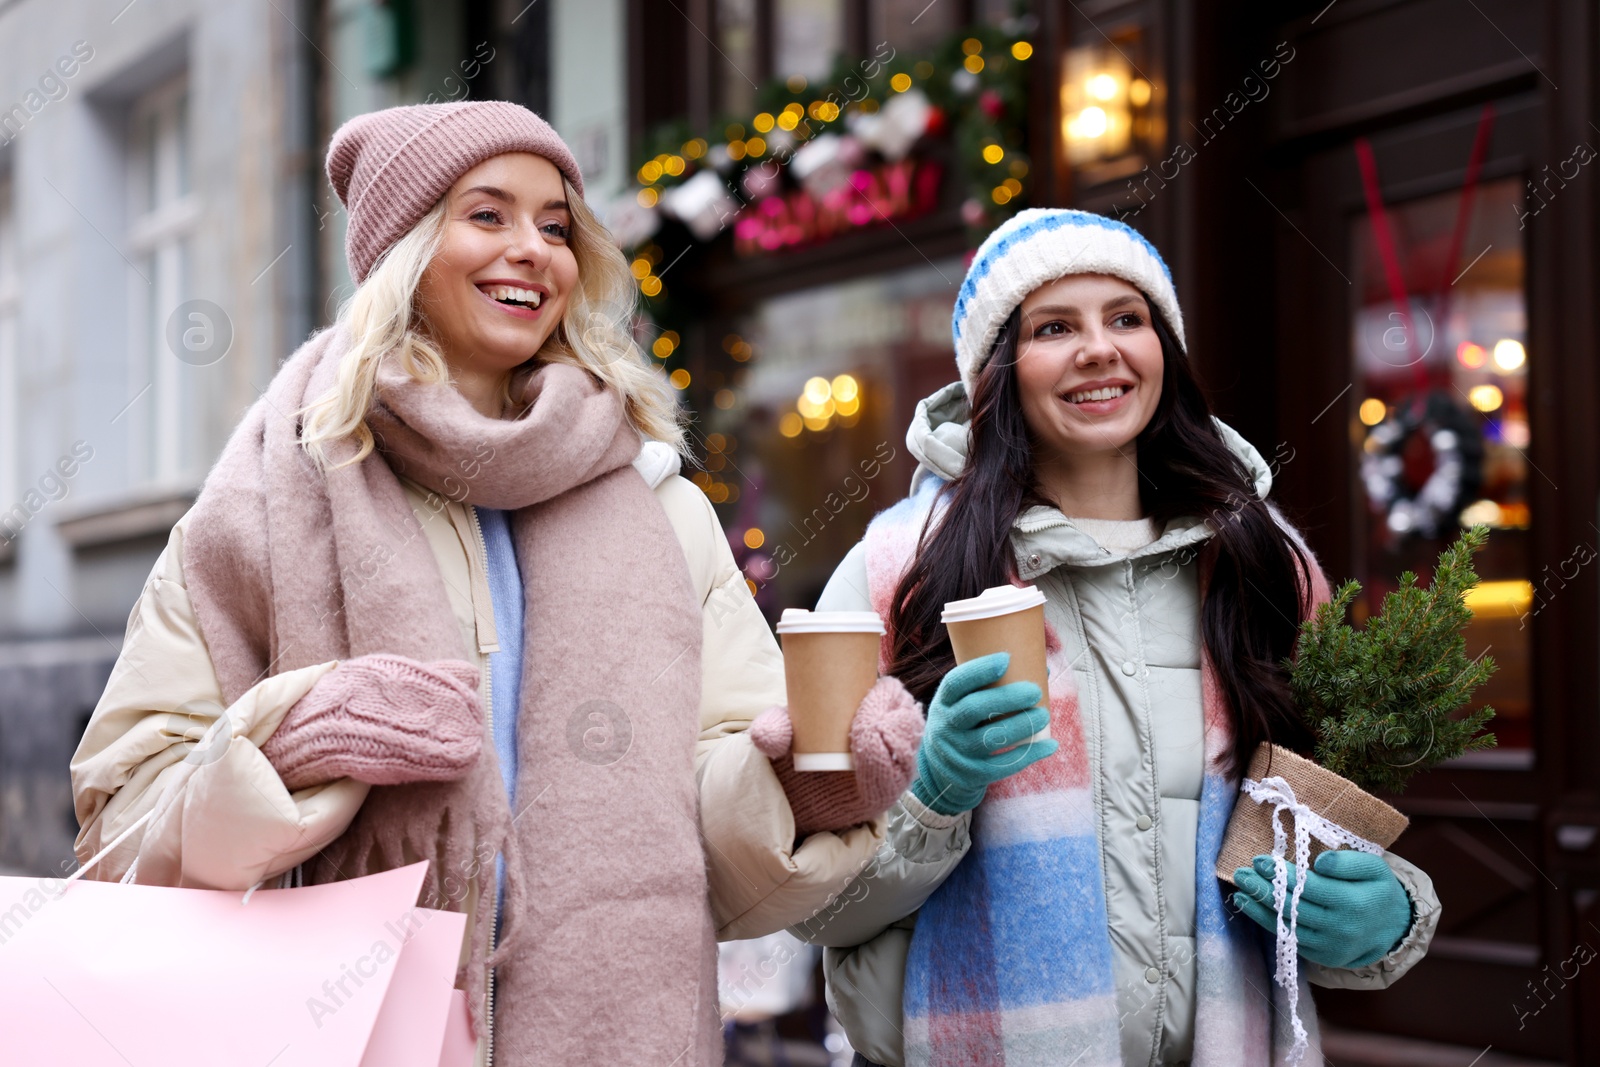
(1383, 222)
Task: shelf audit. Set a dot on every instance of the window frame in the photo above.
(10, 341)
(161, 221)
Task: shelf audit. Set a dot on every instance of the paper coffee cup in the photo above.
(830, 663)
(1005, 618)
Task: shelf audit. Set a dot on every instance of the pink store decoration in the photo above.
(762, 180)
(824, 163)
(868, 196)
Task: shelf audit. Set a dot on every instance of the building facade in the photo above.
(156, 183)
(1381, 216)
(167, 238)
(1383, 228)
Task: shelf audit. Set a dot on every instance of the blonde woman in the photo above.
(444, 598)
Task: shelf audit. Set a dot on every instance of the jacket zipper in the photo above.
(1040, 525)
(493, 894)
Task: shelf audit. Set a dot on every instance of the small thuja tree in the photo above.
(1379, 701)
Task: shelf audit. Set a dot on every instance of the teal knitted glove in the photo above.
(957, 761)
(1353, 911)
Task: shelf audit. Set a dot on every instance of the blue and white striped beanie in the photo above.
(1040, 245)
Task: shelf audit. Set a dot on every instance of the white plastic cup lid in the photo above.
(801, 621)
(994, 601)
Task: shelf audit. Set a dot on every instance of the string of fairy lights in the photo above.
(970, 91)
(975, 88)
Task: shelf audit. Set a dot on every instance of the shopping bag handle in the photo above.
(119, 839)
(127, 876)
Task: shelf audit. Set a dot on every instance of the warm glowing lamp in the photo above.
(1509, 354)
(1470, 355)
(1486, 397)
(1096, 104)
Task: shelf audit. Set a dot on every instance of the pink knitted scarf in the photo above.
(607, 948)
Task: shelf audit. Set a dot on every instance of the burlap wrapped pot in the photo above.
(1335, 798)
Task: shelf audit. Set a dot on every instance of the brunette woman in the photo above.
(1055, 902)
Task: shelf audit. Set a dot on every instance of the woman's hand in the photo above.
(883, 740)
(384, 720)
(1353, 910)
(958, 760)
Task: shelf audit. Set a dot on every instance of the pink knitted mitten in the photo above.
(883, 739)
(382, 719)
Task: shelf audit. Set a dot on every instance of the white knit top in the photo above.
(1120, 535)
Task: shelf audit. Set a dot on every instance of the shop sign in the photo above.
(873, 196)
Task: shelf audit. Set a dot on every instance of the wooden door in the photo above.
(1492, 378)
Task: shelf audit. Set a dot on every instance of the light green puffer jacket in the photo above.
(1130, 620)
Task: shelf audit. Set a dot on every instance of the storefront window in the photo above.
(740, 67)
(1444, 423)
(805, 431)
(808, 35)
(912, 25)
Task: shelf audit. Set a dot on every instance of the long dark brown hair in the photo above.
(1258, 579)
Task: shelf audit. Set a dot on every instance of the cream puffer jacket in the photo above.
(226, 821)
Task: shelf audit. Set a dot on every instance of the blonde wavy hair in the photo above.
(595, 333)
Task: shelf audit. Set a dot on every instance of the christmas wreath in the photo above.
(1422, 463)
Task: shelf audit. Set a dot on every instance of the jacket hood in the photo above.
(938, 439)
(657, 461)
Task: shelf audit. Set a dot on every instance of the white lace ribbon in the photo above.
(1276, 791)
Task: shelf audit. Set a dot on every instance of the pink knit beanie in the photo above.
(390, 167)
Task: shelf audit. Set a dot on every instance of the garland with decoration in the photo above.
(826, 138)
(1455, 442)
(868, 145)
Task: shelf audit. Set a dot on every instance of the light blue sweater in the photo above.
(505, 666)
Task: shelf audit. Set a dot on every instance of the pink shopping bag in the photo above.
(347, 974)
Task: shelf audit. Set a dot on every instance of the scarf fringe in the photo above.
(460, 849)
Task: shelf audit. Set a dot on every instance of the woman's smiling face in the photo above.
(1089, 366)
(505, 269)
